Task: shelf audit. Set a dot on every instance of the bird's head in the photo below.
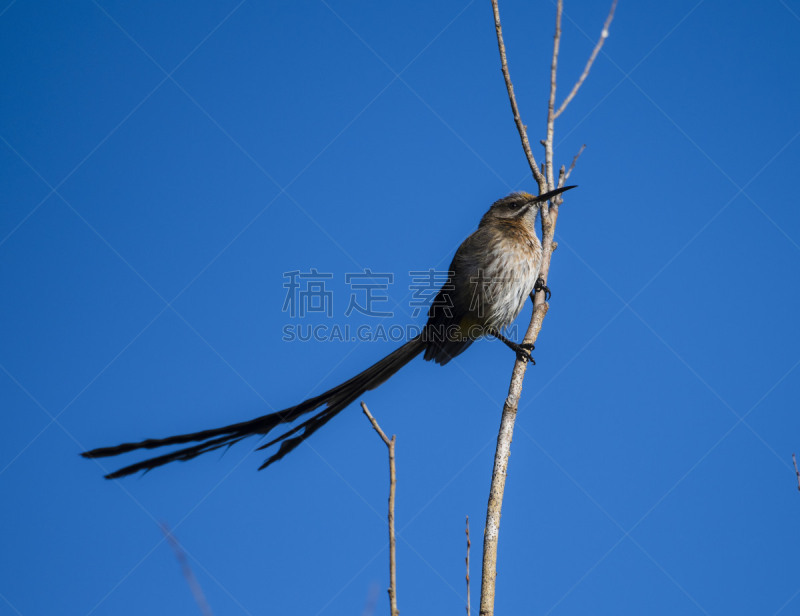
(520, 205)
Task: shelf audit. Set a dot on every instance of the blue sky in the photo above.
(164, 166)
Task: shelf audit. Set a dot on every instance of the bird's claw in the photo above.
(524, 352)
(541, 286)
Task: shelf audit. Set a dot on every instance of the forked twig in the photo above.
(598, 46)
(392, 485)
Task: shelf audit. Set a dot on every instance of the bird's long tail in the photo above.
(332, 402)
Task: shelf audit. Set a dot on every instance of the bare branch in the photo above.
(503, 450)
(523, 134)
(392, 487)
(188, 574)
(590, 61)
(467, 559)
(796, 472)
(500, 470)
(549, 216)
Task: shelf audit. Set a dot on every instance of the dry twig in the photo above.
(563, 175)
(467, 560)
(796, 472)
(392, 485)
(546, 181)
(372, 600)
(188, 574)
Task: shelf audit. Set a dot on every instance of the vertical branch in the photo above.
(796, 471)
(467, 561)
(392, 542)
(392, 485)
(546, 181)
(500, 469)
(506, 432)
(550, 214)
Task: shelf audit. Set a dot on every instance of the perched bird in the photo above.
(493, 273)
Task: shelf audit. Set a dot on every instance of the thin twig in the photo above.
(571, 167)
(467, 559)
(392, 486)
(375, 425)
(188, 574)
(796, 472)
(372, 600)
(551, 118)
(590, 61)
(523, 135)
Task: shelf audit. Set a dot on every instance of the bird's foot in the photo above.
(541, 286)
(524, 352)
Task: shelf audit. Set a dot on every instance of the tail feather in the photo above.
(334, 401)
(186, 453)
(290, 444)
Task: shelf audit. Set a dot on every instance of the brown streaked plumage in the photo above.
(493, 273)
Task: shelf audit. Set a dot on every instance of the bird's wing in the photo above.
(452, 315)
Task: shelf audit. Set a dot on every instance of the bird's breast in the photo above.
(508, 274)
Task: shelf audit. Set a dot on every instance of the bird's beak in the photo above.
(549, 195)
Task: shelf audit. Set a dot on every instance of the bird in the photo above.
(493, 273)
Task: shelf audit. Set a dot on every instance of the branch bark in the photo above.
(549, 215)
(392, 486)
